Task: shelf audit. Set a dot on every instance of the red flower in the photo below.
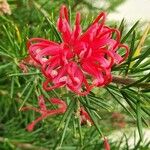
(85, 118)
(82, 60)
(44, 111)
(106, 144)
(28, 61)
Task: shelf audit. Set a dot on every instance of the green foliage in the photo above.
(129, 94)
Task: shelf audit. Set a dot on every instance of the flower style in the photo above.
(44, 111)
(83, 60)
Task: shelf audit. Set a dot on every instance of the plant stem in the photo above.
(128, 81)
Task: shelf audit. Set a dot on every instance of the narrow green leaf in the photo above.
(27, 96)
(146, 63)
(85, 104)
(130, 102)
(74, 128)
(65, 116)
(9, 35)
(132, 49)
(12, 87)
(65, 128)
(118, 100)
(80, 132)
(132, 46)
(25, 88)
(129, 32)
(142, 57)
(126, 140)
(25, 74)
(124, 94)
(43, 91)
(121, 26)
(99, 100)
(3, 66)
(93, 118)
(46, 15)
(120, 142)
(54, 30)
(98, 116)
(134, 96)
(141, 69)
(139, 119)
(141, 42)
(5, 54)
(108, 108)
(137, 145)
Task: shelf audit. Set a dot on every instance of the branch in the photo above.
(128, 81)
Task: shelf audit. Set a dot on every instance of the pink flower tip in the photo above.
(30, 127)
(106, 144)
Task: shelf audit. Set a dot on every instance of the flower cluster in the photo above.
(82, 60)
(62, 107)
(44, 111)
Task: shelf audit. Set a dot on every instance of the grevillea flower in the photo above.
(28, 61)
(106, 144)
(44, 111)
(82, 60)
(85, 118)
